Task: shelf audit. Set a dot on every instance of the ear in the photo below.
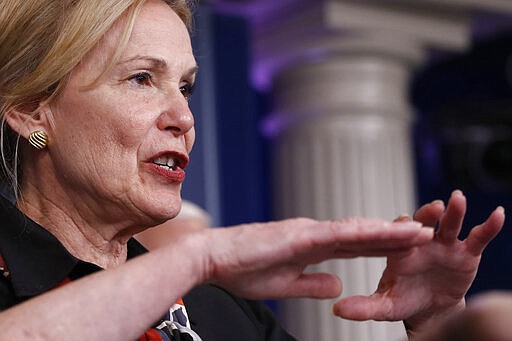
(25, 122)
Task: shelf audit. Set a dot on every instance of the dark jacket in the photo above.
(34, 261)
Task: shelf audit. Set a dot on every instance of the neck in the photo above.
(100, 244)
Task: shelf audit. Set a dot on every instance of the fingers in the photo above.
(450, 223)
(361, 229)
(385, 245)
(450, 220)
(429, 214)
(386, 251)
(374, 238)
(481, 235)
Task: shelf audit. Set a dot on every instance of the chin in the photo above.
(159, 203)
(164, 211)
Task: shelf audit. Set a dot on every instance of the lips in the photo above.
(170, 165)
(170, 159)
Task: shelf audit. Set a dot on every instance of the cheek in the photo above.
(125, 125)
(190, 138)
(128, 132)
(131, 118)
(102, 132)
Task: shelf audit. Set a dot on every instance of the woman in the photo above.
(97, 132)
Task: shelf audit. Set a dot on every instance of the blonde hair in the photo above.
(41, 41)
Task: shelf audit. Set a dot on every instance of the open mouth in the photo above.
(166, 162)
(171, 161)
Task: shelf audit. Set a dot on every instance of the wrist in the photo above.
(191, 252)
(417, 324)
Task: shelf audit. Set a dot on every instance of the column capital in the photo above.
(287, 32)
(328, 27)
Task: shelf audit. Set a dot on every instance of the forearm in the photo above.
(117, 304)
(258, 261)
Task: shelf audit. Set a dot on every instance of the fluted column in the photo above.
(341, 123)
(342, 138)
(345, 150)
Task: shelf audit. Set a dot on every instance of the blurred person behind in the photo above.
(488, 317)
(190, 218)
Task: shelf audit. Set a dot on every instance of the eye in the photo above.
(141, 78)
(186, 90)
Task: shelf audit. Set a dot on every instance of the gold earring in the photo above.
(38, 139)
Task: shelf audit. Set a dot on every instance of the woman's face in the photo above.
(118, 149)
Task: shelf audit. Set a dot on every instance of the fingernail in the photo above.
(457, 192)
(437, 202)
(403, 216)
(500, 209)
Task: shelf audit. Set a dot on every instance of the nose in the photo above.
(177, 117)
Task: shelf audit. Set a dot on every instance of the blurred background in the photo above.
(330, 108)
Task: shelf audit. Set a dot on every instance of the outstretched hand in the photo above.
(268, 260)
(430, 281)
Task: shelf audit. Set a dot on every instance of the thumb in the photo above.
(363, 308)
(316, 285)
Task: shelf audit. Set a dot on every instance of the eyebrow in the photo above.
(158, 63)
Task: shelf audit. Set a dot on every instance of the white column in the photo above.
(342, 125)
(339, 73)
(345, 150)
